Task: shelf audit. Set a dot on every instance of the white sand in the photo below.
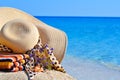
(47, 75)
(89, 70)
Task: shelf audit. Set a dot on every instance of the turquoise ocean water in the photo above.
(94, 38)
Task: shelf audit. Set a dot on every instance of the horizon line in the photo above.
(84, 16)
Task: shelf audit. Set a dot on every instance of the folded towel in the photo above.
(12, 62)
(6, 65)
(11, 59)
(17, 56)
(11, 66)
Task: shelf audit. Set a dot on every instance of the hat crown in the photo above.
(20, 28)
(17, 28)
(19, 34)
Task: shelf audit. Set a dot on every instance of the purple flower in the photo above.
(49, 52)
(52, 49)
(41, 50)
(53, 63)
(46, 45)
(31, 55)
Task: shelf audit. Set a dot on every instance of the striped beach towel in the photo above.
(12, 62)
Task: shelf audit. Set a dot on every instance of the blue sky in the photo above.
(104, 8)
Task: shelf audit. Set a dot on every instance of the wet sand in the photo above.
(89, 70)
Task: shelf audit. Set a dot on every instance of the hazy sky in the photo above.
(66, 7)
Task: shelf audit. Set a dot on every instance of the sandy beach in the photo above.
(89, 70)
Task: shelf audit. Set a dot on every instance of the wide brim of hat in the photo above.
(53, 37)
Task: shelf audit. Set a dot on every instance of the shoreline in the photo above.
(82, 69)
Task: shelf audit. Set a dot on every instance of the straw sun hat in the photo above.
(20, 32)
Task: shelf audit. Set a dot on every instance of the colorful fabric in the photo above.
(12, 62)
(38, 59)
(13, 57)
(11, 67)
